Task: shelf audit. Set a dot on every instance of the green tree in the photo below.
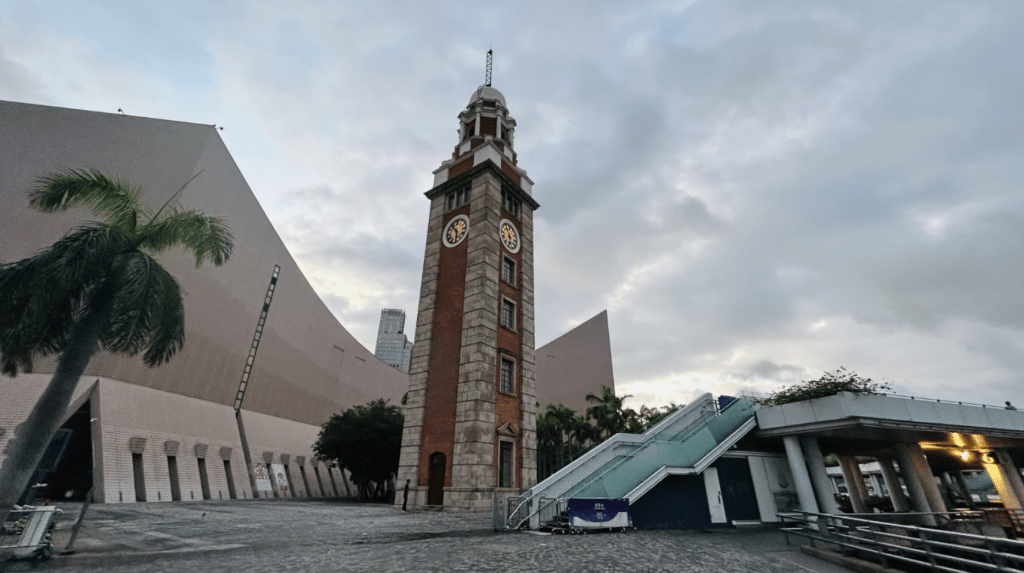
(608, 413)
(98, 286)
(562, 435)
(829, 384)
(365, 440)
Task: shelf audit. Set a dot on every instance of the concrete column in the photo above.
(819, 477)
(802, 480)
(858, 478)
(931, 489)
(1012, 473)
(961, 484)
(892, 483)
(947, 489)
(918, 500)
(848, 465)
(876, 482)
(1001, 478)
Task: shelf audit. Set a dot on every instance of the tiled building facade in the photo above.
(149, 424)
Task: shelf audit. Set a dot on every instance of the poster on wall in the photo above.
(280, 478)
(259, 472)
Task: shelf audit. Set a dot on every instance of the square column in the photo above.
(819, 477)
(892, 483)
(797, 465)
(918, 500)
(854, 483)
(931, 488)
(1012, 473)
(1001, 475)
(961, 484)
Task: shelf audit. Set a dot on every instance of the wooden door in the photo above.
(435, 491)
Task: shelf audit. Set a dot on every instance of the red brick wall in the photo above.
(507, 168)
(459, 169)
(446, 344)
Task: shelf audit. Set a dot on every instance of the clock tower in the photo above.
(470, 414)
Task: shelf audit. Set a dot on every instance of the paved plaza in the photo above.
(345, 536)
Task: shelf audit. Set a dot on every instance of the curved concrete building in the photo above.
(259, 341)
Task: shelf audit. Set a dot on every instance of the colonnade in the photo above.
(814, 490)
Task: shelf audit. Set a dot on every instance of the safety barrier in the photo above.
(899, 544)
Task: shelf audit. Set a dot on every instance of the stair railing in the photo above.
(544, 504)
(689, 431)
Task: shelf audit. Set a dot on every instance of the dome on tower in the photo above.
(488, 93)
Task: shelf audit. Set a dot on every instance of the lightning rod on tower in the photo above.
(490, 57)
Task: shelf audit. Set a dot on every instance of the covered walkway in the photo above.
(923, 445)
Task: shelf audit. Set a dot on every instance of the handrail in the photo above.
(939, 401)
(937, 549)
(701, 401)
(699, 424)
(691, 430)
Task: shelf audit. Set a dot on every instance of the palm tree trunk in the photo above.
(33, 435)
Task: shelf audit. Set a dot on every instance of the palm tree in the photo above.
(99, 285)
(607, 411)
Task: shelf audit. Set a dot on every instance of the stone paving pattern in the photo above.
(344, 536)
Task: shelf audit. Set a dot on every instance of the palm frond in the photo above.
(86, 254)
(168, 323)
(44, 293)
(37, 312)
(208, 238)
(138, 278)
(147, 313)
(116, 200)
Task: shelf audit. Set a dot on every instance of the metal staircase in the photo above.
(629, 465)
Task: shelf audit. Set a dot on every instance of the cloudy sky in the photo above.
(755, 191)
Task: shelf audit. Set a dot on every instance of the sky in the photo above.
(757, 192)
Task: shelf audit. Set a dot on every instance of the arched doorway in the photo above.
(435, 491)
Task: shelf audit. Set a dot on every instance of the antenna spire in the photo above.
(490, 57)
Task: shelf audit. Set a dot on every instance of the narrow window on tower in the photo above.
(509, 202)
(508, 314)
(458, 198)
(508, 376)
(504, 464)
(508, 271)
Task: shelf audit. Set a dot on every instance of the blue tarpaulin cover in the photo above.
(599, 513)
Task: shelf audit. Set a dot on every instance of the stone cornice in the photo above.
(487, 165)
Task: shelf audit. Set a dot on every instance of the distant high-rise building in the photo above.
(393, 347)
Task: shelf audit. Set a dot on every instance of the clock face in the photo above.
(456, 231)
(509, 236)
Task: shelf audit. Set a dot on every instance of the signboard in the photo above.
(259, 472)
(599, 513)
(280, 478)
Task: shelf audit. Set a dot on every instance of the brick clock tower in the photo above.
(470, 415)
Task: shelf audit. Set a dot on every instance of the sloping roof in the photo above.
(575, 364)
(308, 365)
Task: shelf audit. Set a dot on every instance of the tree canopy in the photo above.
(563, 435)
(365, 440)
(830, 383)
(98, 286)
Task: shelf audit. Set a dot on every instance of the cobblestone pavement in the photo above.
(344, 536)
